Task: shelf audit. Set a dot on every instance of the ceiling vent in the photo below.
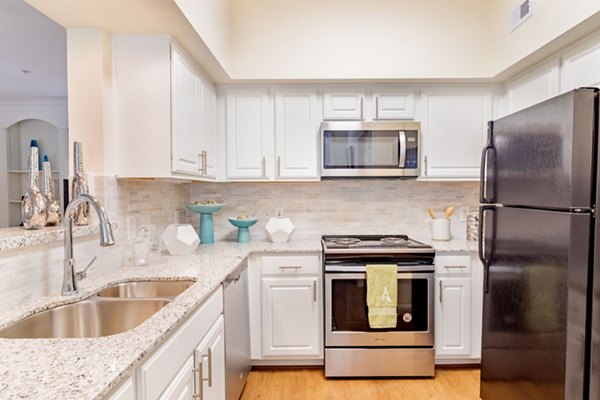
(520, 14)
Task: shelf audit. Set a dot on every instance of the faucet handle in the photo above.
(82, 274)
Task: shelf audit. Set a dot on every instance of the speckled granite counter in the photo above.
(12, 238)
(90, 368)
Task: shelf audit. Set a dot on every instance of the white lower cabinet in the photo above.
(191, 362)
(458, 304)
(125, 391)
(182, 387)
(210, 362)
(290, 316)
(286, 308)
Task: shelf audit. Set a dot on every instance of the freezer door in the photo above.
(543, 156)
(534, 316)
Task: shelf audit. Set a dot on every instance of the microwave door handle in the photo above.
(402, 155)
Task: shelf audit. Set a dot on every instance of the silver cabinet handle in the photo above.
(264, 167)
(425, 164)
(440, 291)
(201, 163)
(210, 367)
(278, 166)
(200, 394)
(455, 266)
(205, 162)
(402, 155)
(361, 107)
(283, 267)
(314, 285)
(377, 107)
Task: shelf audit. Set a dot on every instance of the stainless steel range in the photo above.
(352, 348)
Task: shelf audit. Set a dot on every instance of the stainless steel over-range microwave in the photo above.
(370, 149)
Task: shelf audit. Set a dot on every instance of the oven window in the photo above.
(361, 149)
(349, 306)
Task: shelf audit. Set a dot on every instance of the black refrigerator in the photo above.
(539, 245)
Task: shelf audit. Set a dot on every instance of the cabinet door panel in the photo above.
(453, 317)
(209, 128)
(534, 87)
(296, 135)
(246, 134)
(185, 116)
(290, 316)
(394, 105)
(454, 129)
(343, 106)
(182, 386)
(210, 358)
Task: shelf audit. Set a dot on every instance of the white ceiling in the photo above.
(31, 41)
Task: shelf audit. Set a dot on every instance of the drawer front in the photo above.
(156, 374)
(291, 264)
(453, 264)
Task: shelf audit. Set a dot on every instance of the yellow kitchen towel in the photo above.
(382, 295)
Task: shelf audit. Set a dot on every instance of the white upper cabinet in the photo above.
(297, 121)
(454, 129)
(581, 65)
(249, 133)
(164, 113)
(185, 116)
(393, 104)
(343, 104)
(208, 127)
(533, 87)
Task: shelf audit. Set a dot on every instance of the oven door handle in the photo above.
(363, 268)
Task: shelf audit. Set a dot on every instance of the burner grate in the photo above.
(393, 241)
(345, 241)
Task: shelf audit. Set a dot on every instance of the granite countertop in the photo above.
(91, 368)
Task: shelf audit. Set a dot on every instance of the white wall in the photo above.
(550, 19)
(212, 20)
(352, 39)
(89, 87)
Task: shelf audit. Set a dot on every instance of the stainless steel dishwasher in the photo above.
(237, 331)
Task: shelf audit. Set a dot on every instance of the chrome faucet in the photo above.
(71, 278)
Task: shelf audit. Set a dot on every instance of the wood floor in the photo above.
(310, 384)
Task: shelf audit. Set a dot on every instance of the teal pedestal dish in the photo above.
(207, 234)
(243, 225)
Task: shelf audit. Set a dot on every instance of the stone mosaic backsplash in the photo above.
(342, 206)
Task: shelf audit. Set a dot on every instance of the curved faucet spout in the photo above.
(106, 238)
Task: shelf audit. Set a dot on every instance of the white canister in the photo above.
(440, 229)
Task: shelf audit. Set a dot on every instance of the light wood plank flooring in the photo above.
(310, 384)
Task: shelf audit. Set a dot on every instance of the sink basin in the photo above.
(146, 289)
(93, 317)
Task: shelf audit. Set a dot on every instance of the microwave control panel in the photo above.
(412, 149)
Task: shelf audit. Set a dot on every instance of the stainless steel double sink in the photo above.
(116, 309)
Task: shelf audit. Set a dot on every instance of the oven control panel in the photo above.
(412, 149)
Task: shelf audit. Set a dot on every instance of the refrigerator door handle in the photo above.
(487, 183)
(480, 242)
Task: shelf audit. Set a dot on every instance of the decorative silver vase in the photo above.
(79, 186)
(33, 206)
(52, 205)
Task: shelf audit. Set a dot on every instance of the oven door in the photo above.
(346, 312)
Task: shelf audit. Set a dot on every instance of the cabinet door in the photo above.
(126, 391)
(290, 317)
(210, 362)
(453, 317)
(535, 86)
(182, 386)
(394, 105)
(297, 120)
(453, 130)
(247, 133)
(343, 105)
(208, 134)
(185, 115)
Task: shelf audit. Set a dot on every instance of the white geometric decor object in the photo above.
(279, 229)
(180, 239)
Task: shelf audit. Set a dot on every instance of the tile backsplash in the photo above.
(342, 206)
